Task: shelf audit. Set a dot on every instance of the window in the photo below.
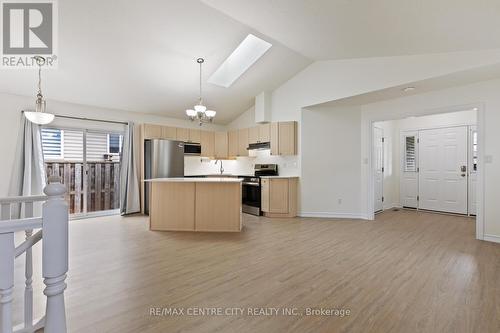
(52, 143)
(115, 142)
(410, 157)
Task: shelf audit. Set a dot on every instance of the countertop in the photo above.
(284, 177)
(197, 180)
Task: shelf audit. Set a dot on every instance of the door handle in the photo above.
(463, 168)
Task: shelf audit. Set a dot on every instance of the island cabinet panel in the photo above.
(232, 137)
(243, 142)
(221, 144)
(214, 214)
(253, 134)
(169, 133)
(194, 135)
(152, 131)
(207, 141)
(182, 134)
(172, 206)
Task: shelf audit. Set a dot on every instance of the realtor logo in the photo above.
(28, 29)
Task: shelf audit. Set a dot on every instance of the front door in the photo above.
(443, 169)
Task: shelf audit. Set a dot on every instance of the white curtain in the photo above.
(129, 183)
(28, 175)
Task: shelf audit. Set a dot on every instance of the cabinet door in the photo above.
(264, 194)
(274, 140)
(232, 137)
(221, 144)
(152, 131)
(278, 195)
(253, 134)
(243, 142)
(265, 133)
(207, 143)
(169, 133)
(182, 134)
(194, 135)
(287, 138)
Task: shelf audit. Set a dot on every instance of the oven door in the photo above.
(251, 197)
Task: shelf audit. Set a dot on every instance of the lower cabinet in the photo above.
(279, 196)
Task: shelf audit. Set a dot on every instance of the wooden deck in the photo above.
(404, 272)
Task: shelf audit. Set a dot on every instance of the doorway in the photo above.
(378, 168)
(88, 164)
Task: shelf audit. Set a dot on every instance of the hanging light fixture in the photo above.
(200, 112)
(39, 116)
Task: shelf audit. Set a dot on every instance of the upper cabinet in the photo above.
(243, 142)
(221, 145)
(264, 132)
(282, 137)
(207, 141)
(182, 134)
(152, 131)
(287, 138)
(169, 133)
(253, 134)
(194, 135)
(232, 137)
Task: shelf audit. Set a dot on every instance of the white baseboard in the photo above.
(492, 238)
(333, 215)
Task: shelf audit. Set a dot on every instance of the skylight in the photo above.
(244, 56)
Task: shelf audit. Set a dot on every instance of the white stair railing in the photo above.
(53, 225)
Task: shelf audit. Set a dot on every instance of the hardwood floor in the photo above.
(404, 272)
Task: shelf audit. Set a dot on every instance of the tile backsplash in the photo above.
(287, 165)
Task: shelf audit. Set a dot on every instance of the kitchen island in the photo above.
(195, 204)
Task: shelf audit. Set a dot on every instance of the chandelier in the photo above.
(200, 112)
(39, 116)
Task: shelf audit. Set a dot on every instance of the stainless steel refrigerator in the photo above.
(162, 159)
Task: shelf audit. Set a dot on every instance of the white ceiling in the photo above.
(140, 56)
(336, 29)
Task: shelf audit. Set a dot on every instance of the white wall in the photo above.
(330, 162)
(11, 106)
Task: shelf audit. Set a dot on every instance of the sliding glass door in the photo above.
(88, 163)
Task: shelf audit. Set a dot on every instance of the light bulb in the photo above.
(210, 113)
(191, 113)
(40, 118)
(200, 108)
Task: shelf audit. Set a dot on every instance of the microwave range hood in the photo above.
(259, 146)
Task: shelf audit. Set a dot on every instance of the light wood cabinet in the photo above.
(232, 137)
(264, 132)
(152, 131)
(253, 134)
(279, 197)
(207, 141)
(182, 134)
(274, 139)
(287, 138)
(221, 144)
(194, 135)
(169, 133)
(243, 142)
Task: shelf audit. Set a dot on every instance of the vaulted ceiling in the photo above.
(140, 55)
(337, 29)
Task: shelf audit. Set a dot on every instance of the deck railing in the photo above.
(53, 228)
(102, 181)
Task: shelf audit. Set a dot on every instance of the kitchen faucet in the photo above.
(221, 167)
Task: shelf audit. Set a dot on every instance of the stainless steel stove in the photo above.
(251, 188)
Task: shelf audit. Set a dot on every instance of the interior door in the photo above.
(443, 169)
(378, 166)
